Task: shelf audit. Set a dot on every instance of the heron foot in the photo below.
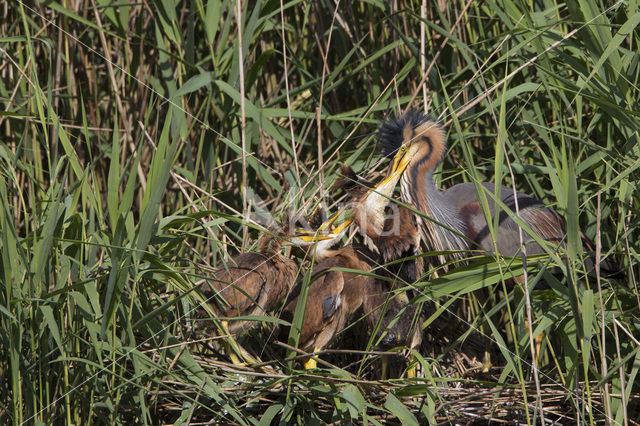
(310, 364)
(486, 363)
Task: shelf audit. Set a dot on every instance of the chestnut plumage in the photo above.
(333, 295)
(251, 283)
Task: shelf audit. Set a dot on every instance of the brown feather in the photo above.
(345, 291)
(251, 284)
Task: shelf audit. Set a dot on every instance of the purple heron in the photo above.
(386, 306)
(458, 222)
(252, 284)
(334, 294)
(333, 297)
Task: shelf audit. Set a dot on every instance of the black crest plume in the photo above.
(391, 130)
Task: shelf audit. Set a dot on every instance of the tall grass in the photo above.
(122, 129)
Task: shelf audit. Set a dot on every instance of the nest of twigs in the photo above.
(473, 397)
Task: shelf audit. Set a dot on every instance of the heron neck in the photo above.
(422, 192)
(270, 244)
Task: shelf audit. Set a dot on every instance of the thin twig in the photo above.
(286, 85)
(243, 189)
(603, 330)
(621, 370)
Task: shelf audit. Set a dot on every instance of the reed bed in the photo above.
(143, 143)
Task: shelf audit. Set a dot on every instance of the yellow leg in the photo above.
(311, 363)
(538, 342)
(385, 367)
(413, 364)
(411, 371)
(486, 362)
(230, 344)
(232, 348)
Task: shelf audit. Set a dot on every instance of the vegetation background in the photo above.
(128, 130)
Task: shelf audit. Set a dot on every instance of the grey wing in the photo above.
(329, 304)
(544, 221)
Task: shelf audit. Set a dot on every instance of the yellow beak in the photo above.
(378, 197)
(345, 214)
(400, 162)
(326, 231)
(376, 201)
(305, 237)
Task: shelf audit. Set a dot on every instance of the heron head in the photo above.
(328, 232)
(413, 138)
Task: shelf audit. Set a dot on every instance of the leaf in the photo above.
(194, 83)
(256, 114)
(356, 403)
(399, 410)
(159, 173)
(113, 180)
(269, 414)
(52, 325)
(211, 19)
(588, 312)
(613, 48)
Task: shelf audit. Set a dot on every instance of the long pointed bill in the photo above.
(326, 231)
(378, 197)
(341, 227)
(306, 238)
(374, 204)
(345, 214)
(400, 162)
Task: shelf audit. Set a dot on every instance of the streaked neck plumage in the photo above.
(269, 244)
(417, 188)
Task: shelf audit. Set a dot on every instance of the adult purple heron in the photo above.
(456, 221)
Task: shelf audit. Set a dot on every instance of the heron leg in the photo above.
(384, 368)
(412, 364)
(538, 339)
(412, 370)
(486, 362)
(537, 343)
(230, 344)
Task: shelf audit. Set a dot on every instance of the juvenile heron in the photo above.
(334, 294)
(252, 283)
(386, 307)
(392, 228)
